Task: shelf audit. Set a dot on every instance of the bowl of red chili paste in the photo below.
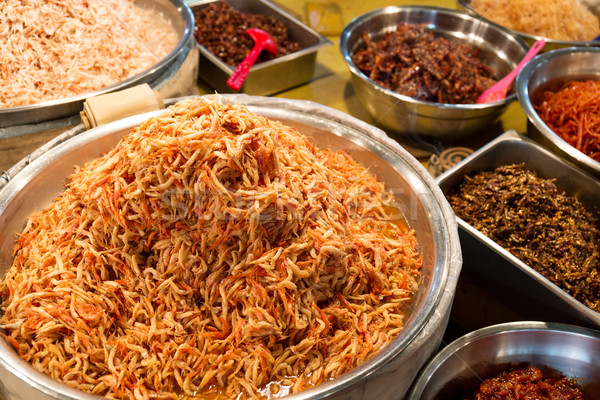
(560, 93)
(419, 70)
(529, 357)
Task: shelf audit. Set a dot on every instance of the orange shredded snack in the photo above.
(212, 254)
(573, 113)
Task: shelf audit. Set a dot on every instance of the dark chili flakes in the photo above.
(528, 216)
(415, 62)
(221, 29)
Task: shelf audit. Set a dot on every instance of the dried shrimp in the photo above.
(213, 253)
(58, 49)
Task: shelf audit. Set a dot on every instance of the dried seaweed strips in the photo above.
(530, 217)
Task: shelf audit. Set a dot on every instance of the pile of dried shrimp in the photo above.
(213, 253)
(57, 49)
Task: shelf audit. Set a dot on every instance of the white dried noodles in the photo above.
(212, 253)
(54, 49)
(554, 19)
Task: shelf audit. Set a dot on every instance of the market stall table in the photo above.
(330, 86)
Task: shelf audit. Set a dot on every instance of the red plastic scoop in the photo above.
(499, 89)
(262, 41)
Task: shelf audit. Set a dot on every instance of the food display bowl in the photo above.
(417, 119)
(494, 268)
(458, 369)
(551, 44)
(386, 375)
(272, 76)
(181, 18)
(549, 71)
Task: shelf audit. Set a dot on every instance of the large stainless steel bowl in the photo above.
(181, 18)
(388, 374)
(421, 119)
(551, 44)
(549, 71)
(457, 370)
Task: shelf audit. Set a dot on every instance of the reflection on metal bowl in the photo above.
(548, 72)
(420, 119)
(182, 20)
(388, 374)
(457, 370)
(551, 44)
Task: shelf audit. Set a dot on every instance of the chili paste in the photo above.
(529, 384)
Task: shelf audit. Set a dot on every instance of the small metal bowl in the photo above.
(551, 44)
(421, 119)
(457, 370)
(549, 71)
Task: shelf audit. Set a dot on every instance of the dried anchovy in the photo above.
(415, 62)
(530, 217)
(213, 253)
(222, 30)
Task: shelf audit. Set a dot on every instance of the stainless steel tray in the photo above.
(183, 21)
(271, 76)
(493, 268)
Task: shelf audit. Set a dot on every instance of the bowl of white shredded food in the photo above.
(227, 247)
(561, 23)
(56, 54)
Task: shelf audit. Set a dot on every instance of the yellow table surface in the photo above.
(331, 85)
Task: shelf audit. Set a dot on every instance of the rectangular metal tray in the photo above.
(495, 270)
(271, 76)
